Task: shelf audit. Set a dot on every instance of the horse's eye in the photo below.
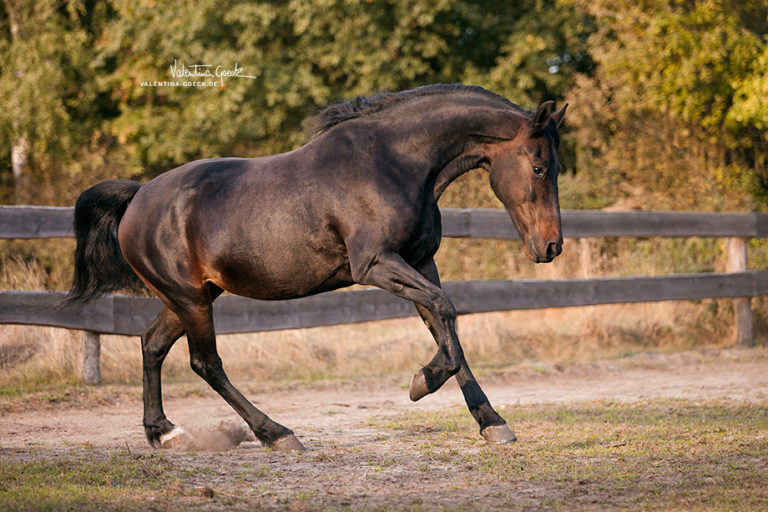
(538, 171)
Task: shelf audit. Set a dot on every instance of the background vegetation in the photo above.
(666, 94)
(668, 111)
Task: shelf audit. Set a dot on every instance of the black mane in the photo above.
(331, 115)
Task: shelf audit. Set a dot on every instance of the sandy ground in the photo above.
(327, 412)
(337, 421)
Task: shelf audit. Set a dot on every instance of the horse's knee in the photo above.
(444, 308)
(152, 356)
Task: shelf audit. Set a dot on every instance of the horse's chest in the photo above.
(423, 242)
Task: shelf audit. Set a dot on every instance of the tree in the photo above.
(45, 90)
(305, 54)
(668, 107)
(94, 99)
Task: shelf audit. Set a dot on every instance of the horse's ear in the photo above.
(557, 117)
(541, 116)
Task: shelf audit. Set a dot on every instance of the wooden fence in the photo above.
(120, 314)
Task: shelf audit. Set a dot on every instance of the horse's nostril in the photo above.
(553, 250)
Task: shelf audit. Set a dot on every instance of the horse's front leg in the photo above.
(492, 426)
(388, 270)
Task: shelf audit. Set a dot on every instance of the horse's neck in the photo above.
(446, 143)
(463, 163)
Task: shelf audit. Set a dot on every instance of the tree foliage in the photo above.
(674, 114)
(46, 105)
(665, 94)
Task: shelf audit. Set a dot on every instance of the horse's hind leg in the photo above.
(205, 361)
(156, 341)
(492, 426)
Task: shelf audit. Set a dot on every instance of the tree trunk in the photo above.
(19, 155)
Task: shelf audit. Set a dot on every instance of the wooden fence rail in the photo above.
(120, 314)
(56, 221)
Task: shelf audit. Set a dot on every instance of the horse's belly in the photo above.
(281, 276)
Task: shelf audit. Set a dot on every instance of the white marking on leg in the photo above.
(166, 440)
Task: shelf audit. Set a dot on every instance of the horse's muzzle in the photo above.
(553, 251)
(550, 252)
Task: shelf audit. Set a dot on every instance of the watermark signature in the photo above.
(198, 75)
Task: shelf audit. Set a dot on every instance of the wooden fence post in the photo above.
(736, 249)
(91, 358)
(585, 258)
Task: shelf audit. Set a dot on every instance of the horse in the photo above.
(357, 204)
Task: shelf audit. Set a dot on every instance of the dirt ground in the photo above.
(341, 425)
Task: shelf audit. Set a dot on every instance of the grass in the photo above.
(661, 454)
(81, 480)
(665, 454)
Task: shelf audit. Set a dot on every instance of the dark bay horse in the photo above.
(357, 204)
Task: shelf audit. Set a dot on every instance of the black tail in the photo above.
(99, 263)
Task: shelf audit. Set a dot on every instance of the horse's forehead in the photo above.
(543, 144)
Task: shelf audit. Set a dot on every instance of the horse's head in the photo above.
(523, 174)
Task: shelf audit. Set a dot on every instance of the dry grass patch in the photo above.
(38, 358)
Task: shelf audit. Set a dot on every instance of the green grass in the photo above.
(81, 479)
(662, 454)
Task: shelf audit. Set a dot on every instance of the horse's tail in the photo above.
(100, 266)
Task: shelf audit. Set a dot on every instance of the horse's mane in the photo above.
(331, 115)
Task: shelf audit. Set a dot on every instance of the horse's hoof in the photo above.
(498, 434)
(418, 388)
(287, 443)
(175, 439)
